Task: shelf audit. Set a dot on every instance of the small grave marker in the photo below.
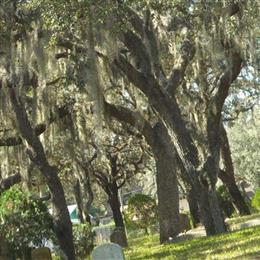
(43, 253)
(108, 251)
(118, 236)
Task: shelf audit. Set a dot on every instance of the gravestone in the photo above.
(108, 251)
(5, 252)
(43, 253)
(102, 234)
(118, 236)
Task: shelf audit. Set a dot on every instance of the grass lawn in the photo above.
(243, 244)
(234, 223)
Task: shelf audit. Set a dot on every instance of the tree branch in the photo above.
(178, 72)
(134, 19)
(7, 183)
(38, 129)
(223, 85)
(166, 106)
(231, 9)
(152, 46)
(128, 116)
(138, 49)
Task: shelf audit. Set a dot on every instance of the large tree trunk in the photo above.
(193, 205)
(83, 207)
(228, 175)
(167, 185)
(210, 213)
(90, 199)
(168, 197)
(83, 186)
(165, 155)
(115, 205)
(166, 105)
(78, 198)
(205, 188)
(205, 212)
(236, 195)
(211, 216)
(62, 223)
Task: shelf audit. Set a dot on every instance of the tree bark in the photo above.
(167, 107)
(193, 205)
(188, 153)
(115, 205)
(87, 205)
(78, 198)
(168, 195)
(166, 175)
(7, 183)
(84, 204)
(227, 175)
(167, 185)
(236, 195)
(211, 216)
(205, 188)
(62, 223)
(16, 140)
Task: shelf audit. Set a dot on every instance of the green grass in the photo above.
(244, 244)
(234, 223)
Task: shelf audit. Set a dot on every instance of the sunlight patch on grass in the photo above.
(234, 245)
(235, 223)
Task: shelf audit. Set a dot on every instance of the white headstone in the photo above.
(108, 251)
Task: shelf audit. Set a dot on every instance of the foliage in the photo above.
(256, 200)
(225, 201)
(24, 219)
(141, 212)
(245, 146)
(83, 240)
(242, 244)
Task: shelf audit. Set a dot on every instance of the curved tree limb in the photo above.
(39, 129)
(8, 182)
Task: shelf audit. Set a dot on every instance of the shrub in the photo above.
(141, 212)
(24, 220)
(83, 240)
(256, 200)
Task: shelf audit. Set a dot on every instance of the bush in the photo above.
(24, 220)
(256, 200)
(83, 240)
(141, 212)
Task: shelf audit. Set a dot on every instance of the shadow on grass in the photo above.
(199, 248)
(240, 220)
(252, 255)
